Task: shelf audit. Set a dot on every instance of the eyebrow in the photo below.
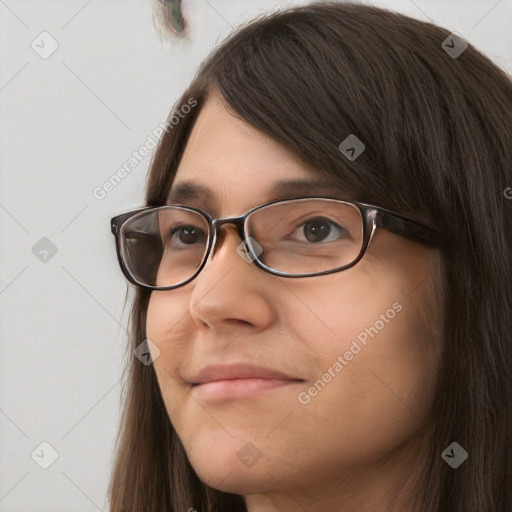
(193, 191)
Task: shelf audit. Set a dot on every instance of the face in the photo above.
(353, 361)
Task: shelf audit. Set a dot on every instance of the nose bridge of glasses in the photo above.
(236, 222)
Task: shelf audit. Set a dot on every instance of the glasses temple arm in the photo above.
(411, 228)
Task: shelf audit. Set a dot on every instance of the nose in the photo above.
(227, 291)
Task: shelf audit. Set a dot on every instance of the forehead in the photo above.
(228, 163)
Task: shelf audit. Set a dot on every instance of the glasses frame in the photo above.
(373, 217)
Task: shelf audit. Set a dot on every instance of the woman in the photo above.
(341, 339)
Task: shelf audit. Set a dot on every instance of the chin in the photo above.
(236, 480)
(229, 465)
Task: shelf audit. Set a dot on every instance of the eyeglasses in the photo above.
(164, 247)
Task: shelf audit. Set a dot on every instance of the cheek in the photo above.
(374, 372)
(168, 322)
(162, 316)
(165, 327)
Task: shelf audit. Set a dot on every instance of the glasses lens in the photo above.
(307, 235)
(165, 246)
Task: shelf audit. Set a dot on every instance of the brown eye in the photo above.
(317, 230)
(187, 235)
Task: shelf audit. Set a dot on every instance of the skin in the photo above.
(353, 446)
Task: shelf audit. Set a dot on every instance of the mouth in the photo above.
(238, 388)
(222, 382)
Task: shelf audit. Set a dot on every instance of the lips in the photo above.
(221, 383)
(221, 372)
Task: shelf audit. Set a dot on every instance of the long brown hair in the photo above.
(437, 131)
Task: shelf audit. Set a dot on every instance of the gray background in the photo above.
(68, 122)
